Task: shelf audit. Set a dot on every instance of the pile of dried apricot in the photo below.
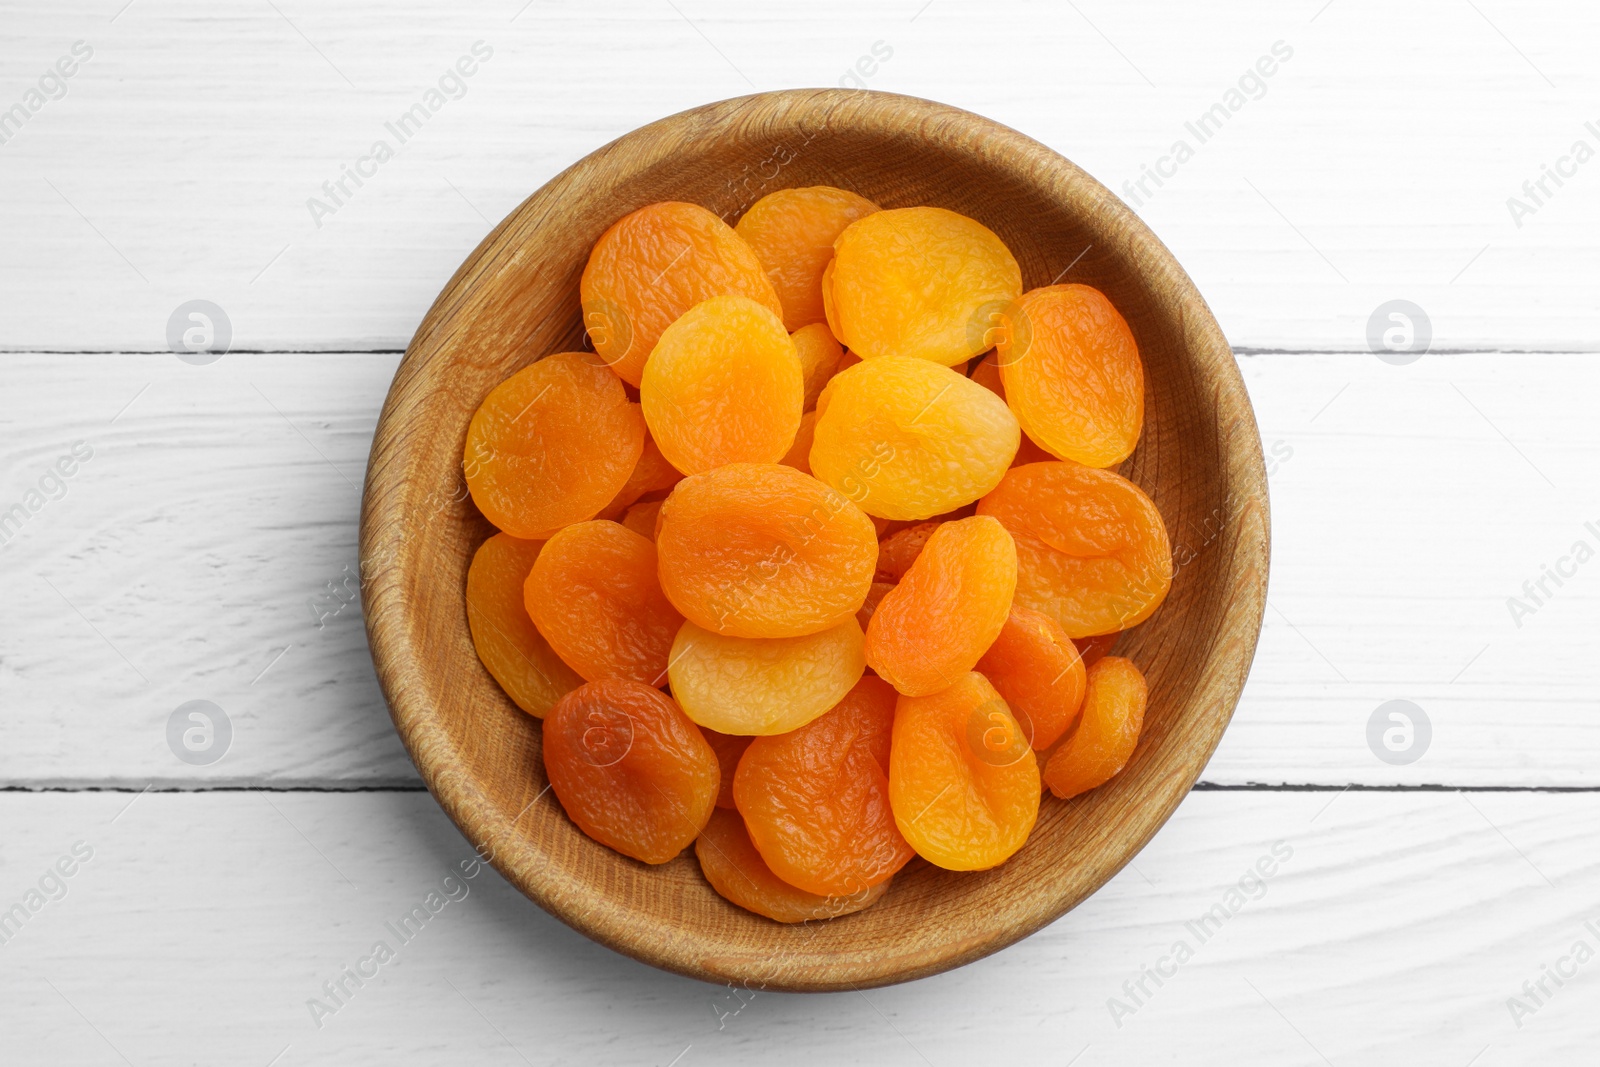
(813, 563)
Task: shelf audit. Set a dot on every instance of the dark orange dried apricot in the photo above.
(630, 768)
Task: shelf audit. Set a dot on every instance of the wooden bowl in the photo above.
(516, 299)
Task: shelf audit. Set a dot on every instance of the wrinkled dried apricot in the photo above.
(594, 596)
(551, 445)
(799, 454)
(653, 265)
(816, 800)
(652, 474)
(1072, 374)
(762, 550)
(1037, 670)
(723, 385)
(730, 862)
(963, 782)
(898, 551)
(908, 439)
(1092, 551)
(948, 608)
(508, 643)
(763, 685)
(729, 748)
(918, 281)
(630, 768)
(792, 232)
(1113, 715)
(819, 358)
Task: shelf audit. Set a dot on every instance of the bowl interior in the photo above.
(516, 300)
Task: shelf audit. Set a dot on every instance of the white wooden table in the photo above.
(202, 547)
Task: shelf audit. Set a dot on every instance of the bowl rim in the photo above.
(396, 642)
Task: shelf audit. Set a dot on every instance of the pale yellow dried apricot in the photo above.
(763, 685)
(908, 439)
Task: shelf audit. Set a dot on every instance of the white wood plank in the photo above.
(1394, 929)
(1377, 164)
(1409, 504)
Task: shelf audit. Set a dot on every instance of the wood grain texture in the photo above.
(515, 299)
(1392, 559)
(1375, 163)
(1408, 913)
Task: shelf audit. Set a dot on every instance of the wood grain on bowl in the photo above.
(516, 299)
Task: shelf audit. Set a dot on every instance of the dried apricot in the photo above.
(792, 233)
(729, 748)
(948, 608)
(816, 800)
(1072, 374)
(630, 768)
(594, 595)
(819, 358)
(551, 445)
(1113, 715)
(908, 439)
(763, 685)
(898, 551)
(914, 282)
(1092, 551)
(723, 385)
(1037, 669)
(508, 643)
(653, 265)
(652, 474)
(963, 782)
(730, 862)
(762, 550)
